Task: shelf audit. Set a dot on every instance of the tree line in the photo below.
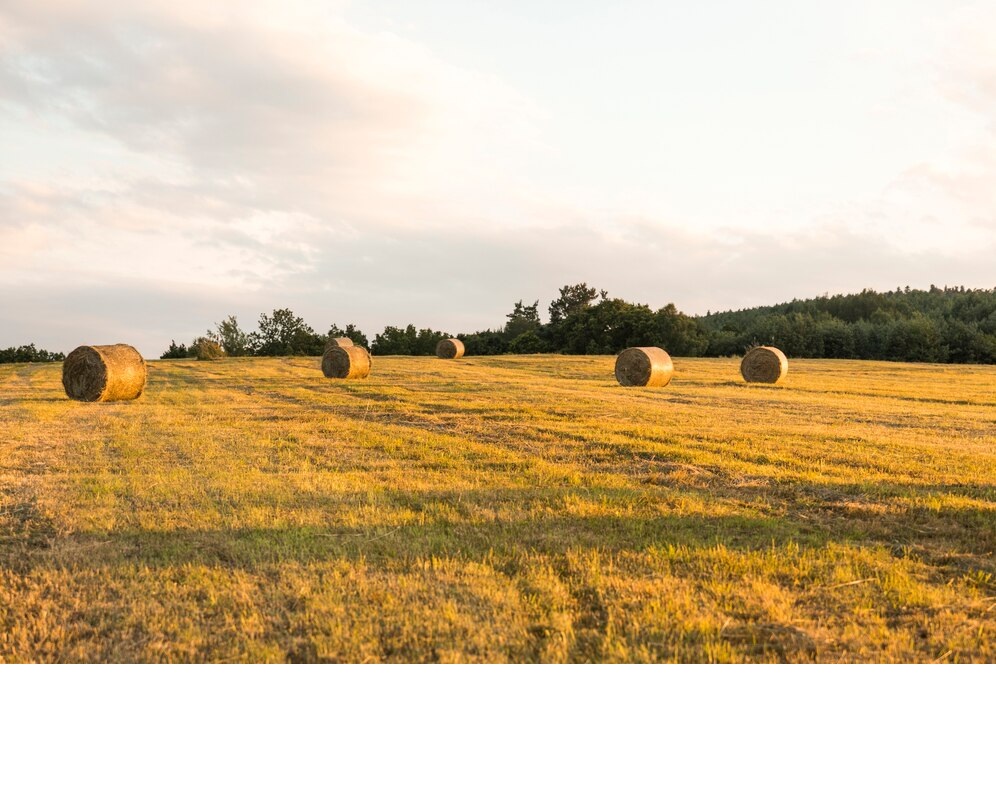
(942, 325)
(939, 325)
(949, 325)
(28, 354)
(281, 333)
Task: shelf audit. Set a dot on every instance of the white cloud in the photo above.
(945, 202)
(192, 160)
(316, 130)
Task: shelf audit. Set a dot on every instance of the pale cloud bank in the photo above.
(166, 165)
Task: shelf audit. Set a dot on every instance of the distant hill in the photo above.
(952, 324)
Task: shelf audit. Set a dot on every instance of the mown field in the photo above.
(501, 509)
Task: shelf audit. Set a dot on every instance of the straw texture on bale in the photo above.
(207, 350)
(346, 362)
(644, 366)
(104, 373)
(764, 365)
(341, 341)
(450, 348)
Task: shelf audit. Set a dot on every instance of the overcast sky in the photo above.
(163, 165)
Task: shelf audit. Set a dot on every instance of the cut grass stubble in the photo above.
(518, 508)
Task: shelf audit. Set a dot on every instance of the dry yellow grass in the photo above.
(491, 509)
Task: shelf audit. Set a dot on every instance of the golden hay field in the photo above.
(501, 509)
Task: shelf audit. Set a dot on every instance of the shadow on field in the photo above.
(906, 398)
(249, 547)
(955, 541)
(592, 587)
(39, 401)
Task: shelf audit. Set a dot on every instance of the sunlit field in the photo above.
(501, 509)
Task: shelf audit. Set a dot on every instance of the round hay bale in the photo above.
(340, 341)
(346, 362)
(764, 365)
(450, 348)
(104, 373)
(644, 366)
(205, 349)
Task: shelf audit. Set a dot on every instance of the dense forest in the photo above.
(953, 324)
(949, 325)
